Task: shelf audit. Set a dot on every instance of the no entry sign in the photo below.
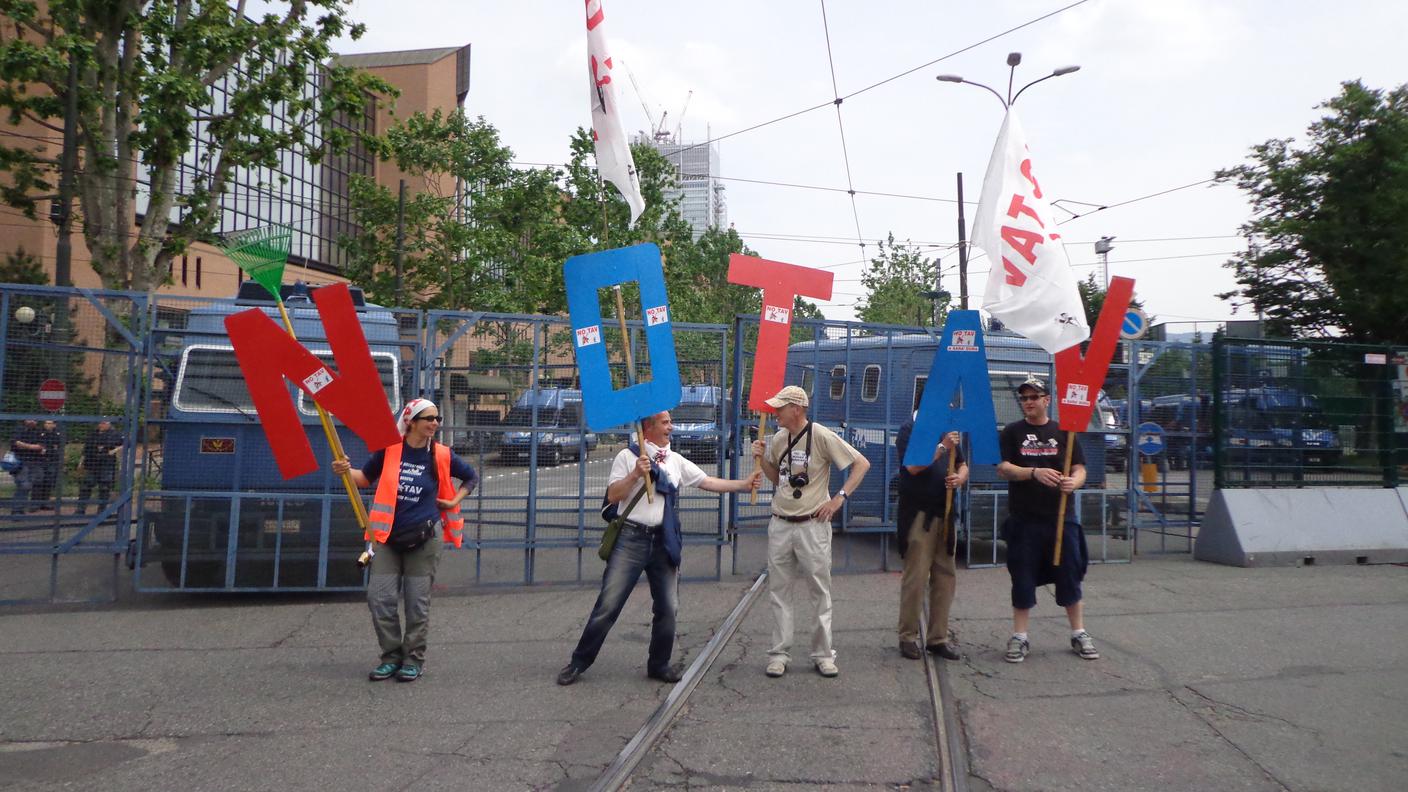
(52, 395)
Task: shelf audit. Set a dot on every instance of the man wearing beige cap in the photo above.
(798, 460)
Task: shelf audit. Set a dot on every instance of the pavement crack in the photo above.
(1247, 714)
(308, 619)
(1230, 743)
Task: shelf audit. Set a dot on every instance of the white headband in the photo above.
(413, 408)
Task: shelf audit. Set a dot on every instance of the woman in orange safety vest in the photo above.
(416, 504)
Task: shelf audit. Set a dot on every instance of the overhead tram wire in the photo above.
(841, 127)
(892, 78)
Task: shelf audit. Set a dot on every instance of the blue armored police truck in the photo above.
(219, 514)
(867, 387)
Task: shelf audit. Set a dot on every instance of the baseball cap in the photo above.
(1035, 384)
(789, 395)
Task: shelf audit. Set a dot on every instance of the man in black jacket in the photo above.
(928, 544)
(100, 452)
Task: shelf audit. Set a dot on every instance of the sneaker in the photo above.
(827, 667)
(1017, 649)
(409, 673)
(776, 668)
(1083, 646)
(383, 671)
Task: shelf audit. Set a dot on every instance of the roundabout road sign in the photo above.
(1149, 438)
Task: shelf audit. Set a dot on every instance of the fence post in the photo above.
(1219, 418)
(1388, 437)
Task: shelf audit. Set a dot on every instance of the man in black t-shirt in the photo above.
(927, 545)
(1033, 454)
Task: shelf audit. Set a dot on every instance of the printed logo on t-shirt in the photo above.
(1034, 447)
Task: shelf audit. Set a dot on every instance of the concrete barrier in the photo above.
(1293, 527)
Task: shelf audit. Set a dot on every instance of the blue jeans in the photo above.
(636, 551)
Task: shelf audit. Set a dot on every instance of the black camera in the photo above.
(797, 481)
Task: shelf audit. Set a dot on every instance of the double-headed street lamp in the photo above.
(1013, 59)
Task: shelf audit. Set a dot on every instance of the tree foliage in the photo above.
(1328, 246)
(1092, 296)
(895, 283)
(148, 73)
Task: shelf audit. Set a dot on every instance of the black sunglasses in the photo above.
(426, 418)
(1029, 397)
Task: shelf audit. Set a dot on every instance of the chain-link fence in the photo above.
(1308, 414)
(71, 365)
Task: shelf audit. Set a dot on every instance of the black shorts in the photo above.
(1030, 546)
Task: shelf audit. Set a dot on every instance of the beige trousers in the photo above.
(928, 570)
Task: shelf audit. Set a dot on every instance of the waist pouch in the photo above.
(408, 539)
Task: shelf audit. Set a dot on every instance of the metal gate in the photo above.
(71, 375)
(1170, 417)
(508, 387)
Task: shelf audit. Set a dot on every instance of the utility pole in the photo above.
(61, 212)
(962, 250)
(400, 241)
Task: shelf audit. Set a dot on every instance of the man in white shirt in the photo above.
(649, 542)
(798, 459)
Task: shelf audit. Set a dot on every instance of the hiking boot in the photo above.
(910, 649)
(383, 671)
(827, 667)
(1017, 649)
(409, 673)
(776, 668)
(945, 650)
(1083, 646)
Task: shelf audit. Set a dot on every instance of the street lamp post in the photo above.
(1013, 59)
(1102, 249)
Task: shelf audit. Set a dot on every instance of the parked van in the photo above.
(554, 417)
(1279, 427)
(698, 419)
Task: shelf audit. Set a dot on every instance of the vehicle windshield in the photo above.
(694, 413)
(522, 415)
(210, 380)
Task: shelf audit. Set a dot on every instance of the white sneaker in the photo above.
(776, 668)
(827, 667)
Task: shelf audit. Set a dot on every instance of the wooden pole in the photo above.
(757, 458)
(1061, 511)
(625, 340)
(948, 498)
(334, 443)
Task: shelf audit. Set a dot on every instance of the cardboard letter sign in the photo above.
(1079, 380)
(960, 364)
(781, 284)
(606, 407)
(268, 356)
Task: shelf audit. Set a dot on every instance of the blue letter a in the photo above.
(960, 365)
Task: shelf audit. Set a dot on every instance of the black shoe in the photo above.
(910, 649)
(945, 650)
(569, 674)
(671, 674)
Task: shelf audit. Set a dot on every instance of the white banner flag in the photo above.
(1031, 287)
(613, 152)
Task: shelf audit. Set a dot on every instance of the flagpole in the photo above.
(1061, 510)
(625, 339)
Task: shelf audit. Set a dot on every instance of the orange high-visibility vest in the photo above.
(383, 511)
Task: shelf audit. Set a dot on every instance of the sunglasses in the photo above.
(1027, 398)
(435, 418)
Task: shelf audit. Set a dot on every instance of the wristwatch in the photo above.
(843, 495)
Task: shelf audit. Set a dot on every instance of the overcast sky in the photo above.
(1168, 92)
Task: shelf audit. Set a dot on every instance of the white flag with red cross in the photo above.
(613, 152)
(1031, 287)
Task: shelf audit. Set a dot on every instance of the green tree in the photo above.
(895, 282)
(21, 267)
(1092, 296)
(147, 73)
(1327, 245)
